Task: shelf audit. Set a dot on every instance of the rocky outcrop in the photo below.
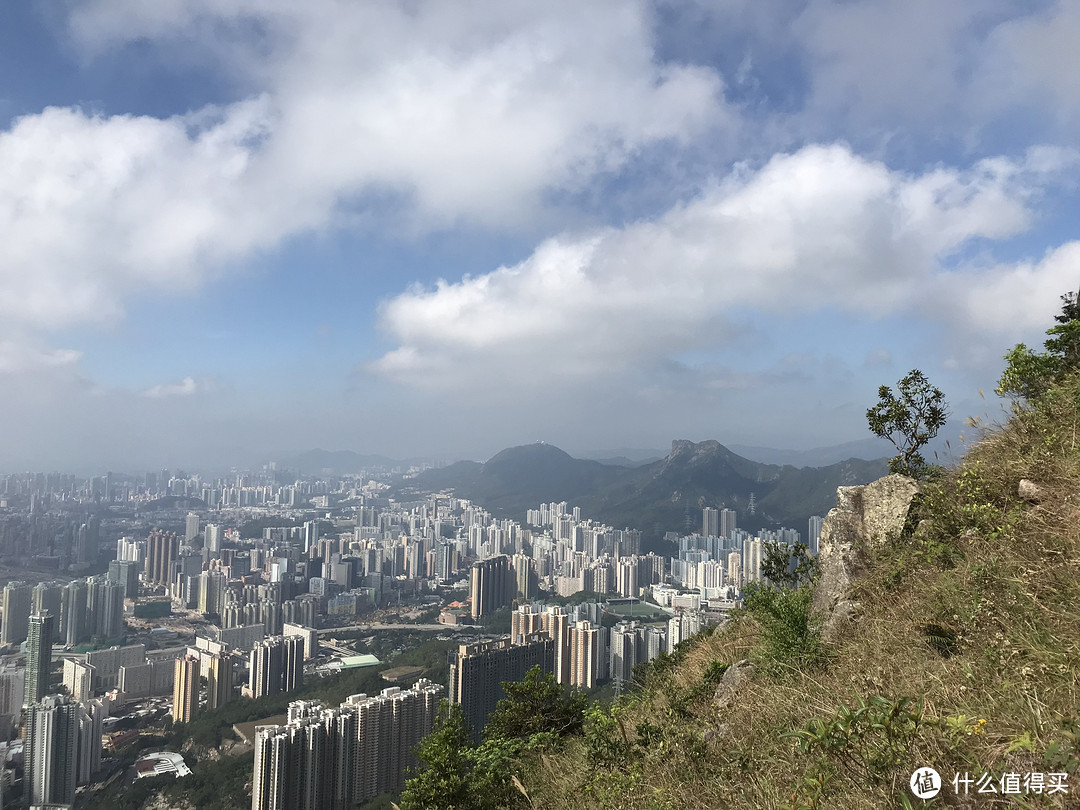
(1030, 491)
(864, 517)
(735, 676)
(726, 692)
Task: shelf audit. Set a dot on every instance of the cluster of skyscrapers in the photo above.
(264, 597)
(82, 609)
(336, 758)
(62, 733)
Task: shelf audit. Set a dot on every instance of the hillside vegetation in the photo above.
(965, 657)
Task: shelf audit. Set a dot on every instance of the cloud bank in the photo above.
(819, 228)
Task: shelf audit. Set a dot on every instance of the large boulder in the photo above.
(864, 518)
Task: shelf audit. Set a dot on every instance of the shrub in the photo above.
(909, 420)
(791, 629)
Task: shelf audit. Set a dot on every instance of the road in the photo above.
(371, 628)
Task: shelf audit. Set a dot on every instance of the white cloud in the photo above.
(820, 228)
(96, 208)
(17, 356)
(891, 63)
(1032, 61)
(472, 113)
(185, 388)
(1014, 300)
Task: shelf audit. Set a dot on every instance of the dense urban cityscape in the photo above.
(130, 601)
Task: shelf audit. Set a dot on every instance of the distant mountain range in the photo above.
(869, 448)
(664, 495)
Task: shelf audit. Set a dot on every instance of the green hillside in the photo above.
(964, 656)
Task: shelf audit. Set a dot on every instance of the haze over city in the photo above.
(234, 231)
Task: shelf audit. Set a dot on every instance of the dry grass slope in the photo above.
(973, 616)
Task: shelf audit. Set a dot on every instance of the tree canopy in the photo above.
(534, 716)
(908, 419)
(1029, 374)
(536, 705)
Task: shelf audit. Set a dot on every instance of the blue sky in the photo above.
(234, 230)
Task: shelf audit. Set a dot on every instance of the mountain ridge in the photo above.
(665, 495)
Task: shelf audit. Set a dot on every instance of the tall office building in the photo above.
(219, 680)
(16, 613)
(276, 665)
(81, 551)
(311, 535)
(104, 608)
(525, 621)
(79, 679)
(12, 686)
(51, 754)
(212, 537)
(308, 634)
(334, 759)
(126, 572)
(683, 625)
(751, 560)
(91, 718)
(556, 625)
(191, 527)
(491, 586)
(727, 523)
(128, 548)
(525, 579)
(479, 670)
(588, 655)
(211, 586)
(735, 571)
(12, 689)
(162, 549)
(627, 650)
(38, 657)
(47, 597)
(710, 522)
(73, 613)
(185, 689)
(813, 536)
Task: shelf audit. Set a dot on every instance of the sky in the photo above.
(234, 230)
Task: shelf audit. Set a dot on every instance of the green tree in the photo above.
(1028, 374)
(787, 566)
(536, 705)
(909, 419)
(444, 782)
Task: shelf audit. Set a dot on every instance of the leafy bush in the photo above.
(791, 629)
(1029, 374)
(867, 745)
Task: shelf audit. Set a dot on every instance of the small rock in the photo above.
(738, 673)
(735, 676)
(1030, 491)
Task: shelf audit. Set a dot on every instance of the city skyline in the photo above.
(239, 232)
